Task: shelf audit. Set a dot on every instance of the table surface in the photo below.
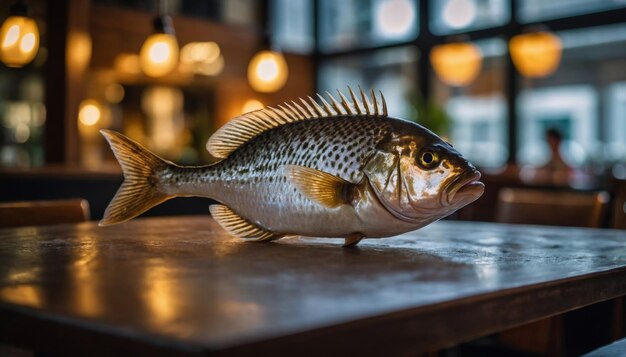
(181, 285)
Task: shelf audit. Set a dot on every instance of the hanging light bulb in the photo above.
(458, 63)
(19, 37)
(267, 71)
(536, 54)
(159, 53)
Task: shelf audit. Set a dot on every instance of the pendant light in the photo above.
(267, 70)
(456, 63)
(536, 54)
(159, 53)
(19, 36)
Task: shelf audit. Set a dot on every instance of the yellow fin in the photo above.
(238, 226)
(243, 128)
(139, 191)
(319, 186)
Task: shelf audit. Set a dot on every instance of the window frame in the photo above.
(426, 40)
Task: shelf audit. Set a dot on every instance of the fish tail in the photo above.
(140, 190)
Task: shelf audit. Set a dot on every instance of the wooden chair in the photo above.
(39, 213)
(556, 208)
(618, 218)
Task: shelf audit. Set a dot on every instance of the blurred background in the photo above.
(492, 76)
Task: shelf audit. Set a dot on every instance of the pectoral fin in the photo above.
(319, 186)
(240, 227)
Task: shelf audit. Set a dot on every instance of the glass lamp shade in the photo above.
(537, 54)
(159, 54)
(20, 41)
(267, 71)
(456, 64)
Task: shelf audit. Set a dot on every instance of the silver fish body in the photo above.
(353, 174)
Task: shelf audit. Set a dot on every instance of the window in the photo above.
(292, 25)
(537, 10)
(478, 112)
(584, 99)
(22, 96)
(390, 71)
(450, 16)
(351, 23)
(569, 109)
(615, 130)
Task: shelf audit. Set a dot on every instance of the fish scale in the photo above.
(334, 169)
(254, 173)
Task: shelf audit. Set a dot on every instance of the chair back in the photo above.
(555, 208)
(618, 217)
(39, 213)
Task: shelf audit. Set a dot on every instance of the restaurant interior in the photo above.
(531, 92)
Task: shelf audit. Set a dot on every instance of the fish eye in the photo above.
(428, 159)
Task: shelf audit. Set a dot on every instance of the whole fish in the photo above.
(340, 168)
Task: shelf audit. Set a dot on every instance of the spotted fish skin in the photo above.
(252, 180)
(338, 169)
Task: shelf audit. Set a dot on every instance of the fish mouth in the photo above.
(465, 186)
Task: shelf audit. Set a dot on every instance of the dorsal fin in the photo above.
(247, 126)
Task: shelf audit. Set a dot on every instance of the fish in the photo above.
(337, 168)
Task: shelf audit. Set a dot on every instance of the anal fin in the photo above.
(319, 186)
(240, 227)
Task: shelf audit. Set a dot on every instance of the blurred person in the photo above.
(555, 171)
(556, 162)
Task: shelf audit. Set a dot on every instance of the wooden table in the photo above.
(182, 286)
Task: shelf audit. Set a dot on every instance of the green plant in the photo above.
(430, 114)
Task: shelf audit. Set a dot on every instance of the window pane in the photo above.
(23, 117)
(572, 110)
(22, 96)
(478, 112)
(352, 23)
(584, 99)
(536, 10)
(391, 71)
(615, 130)
(449, 16)
(293, 25)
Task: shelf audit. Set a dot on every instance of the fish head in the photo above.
(419, 177)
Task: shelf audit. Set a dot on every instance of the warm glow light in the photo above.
(251, 105)
(200, 52)
(267, 71)
(78, 49)
(459, 14)
(126, 63)
(537, 54)
(28, 42)
(89, 112)
(211, 69)
(456, 64)
(13, 34)
(202, 58)
(114, 93)
(164, 108)
(159, 54)
(395, 17)
(20, 41)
